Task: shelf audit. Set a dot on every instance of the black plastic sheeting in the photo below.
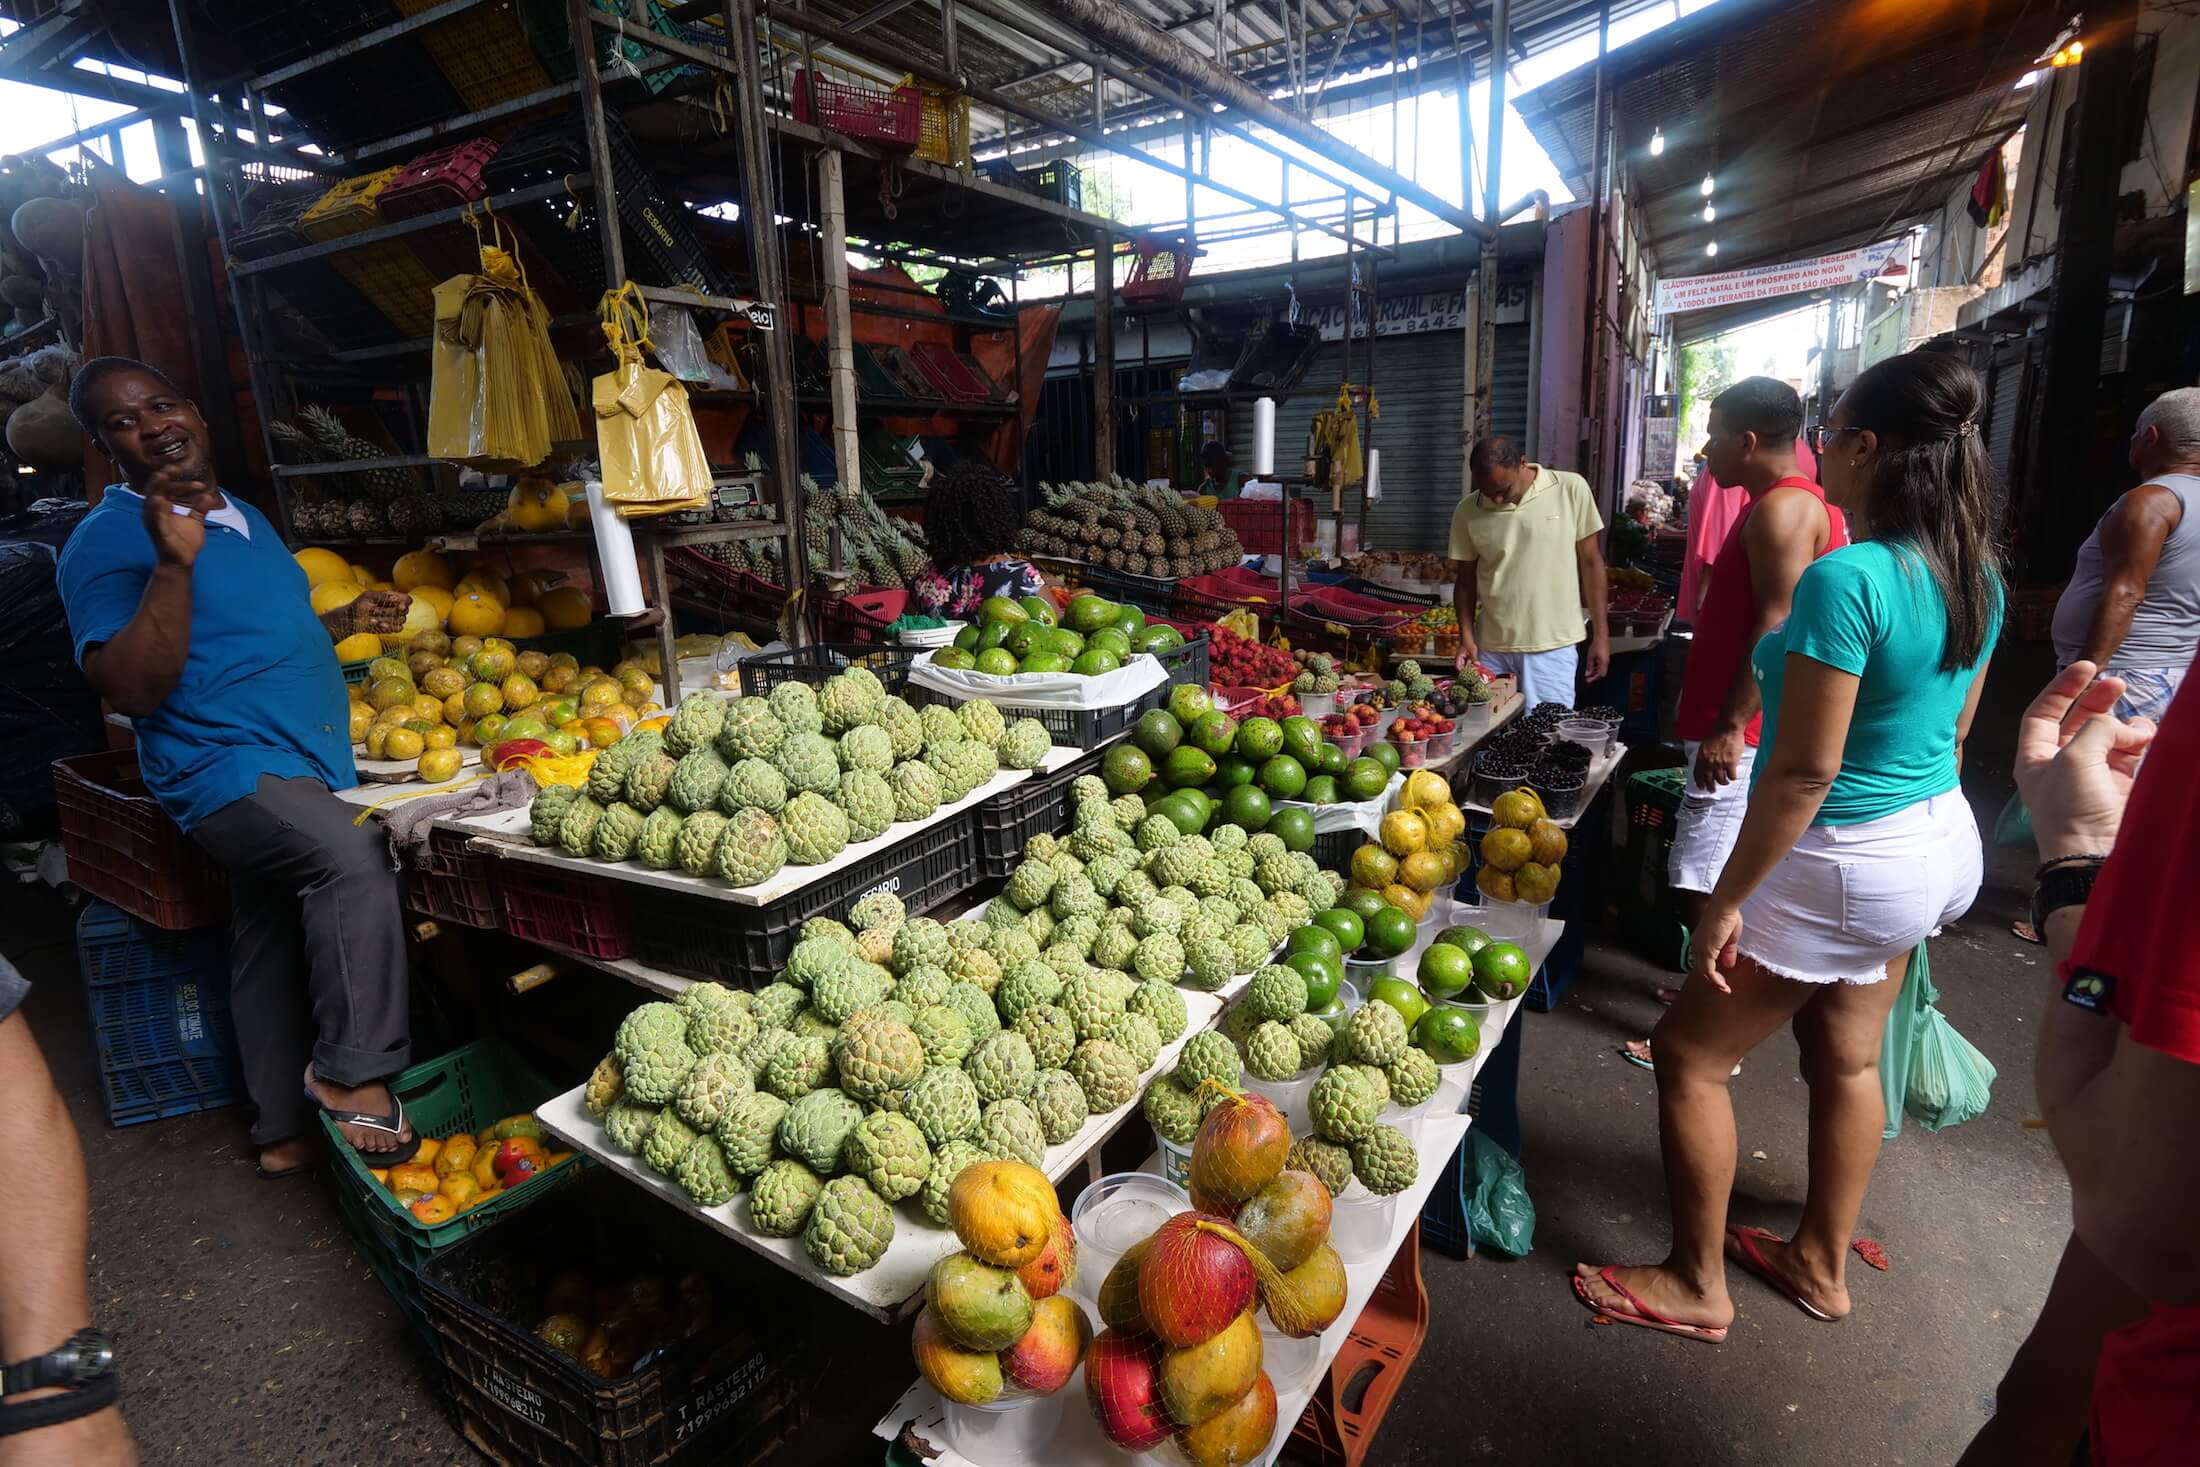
(47, 710)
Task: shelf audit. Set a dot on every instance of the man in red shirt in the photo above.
(1784, 526)
(2118, 1065)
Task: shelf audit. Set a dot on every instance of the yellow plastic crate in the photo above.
(389, 275)
(483, 54)
(943, 126)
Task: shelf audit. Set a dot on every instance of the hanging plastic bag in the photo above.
(679, 346)
(1499, 1215)
(1949, 1081)
(497, 397)
(1898, 1045)
(653, 460)
(2014, 825)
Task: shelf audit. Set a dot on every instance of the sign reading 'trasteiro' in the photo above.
(1731, 287)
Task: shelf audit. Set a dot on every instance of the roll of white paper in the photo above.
(1374, 473)
(1264, 435)
(622, 573)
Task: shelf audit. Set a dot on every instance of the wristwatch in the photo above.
(2066, 882)
(88, 1356)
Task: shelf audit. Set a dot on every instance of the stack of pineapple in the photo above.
(877, 549)
(1135, 528)
(382, 502)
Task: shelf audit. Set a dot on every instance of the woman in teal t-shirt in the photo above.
(1857, 843)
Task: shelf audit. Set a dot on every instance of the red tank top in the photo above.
(1728, 622)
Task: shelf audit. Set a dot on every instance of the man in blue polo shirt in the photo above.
(190, 616)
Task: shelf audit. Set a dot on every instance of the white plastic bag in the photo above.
(1127, 684)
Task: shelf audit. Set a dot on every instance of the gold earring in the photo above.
(1854, 462)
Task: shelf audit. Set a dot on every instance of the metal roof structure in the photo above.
(1823, 123)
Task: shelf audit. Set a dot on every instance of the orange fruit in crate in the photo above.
(381, 1175)
(460, 1188)
(435, 1209)
(486, 1194)
(413, 1176)
(430, 1148)
(483, 1170)
(602, 732)
(455, 1155)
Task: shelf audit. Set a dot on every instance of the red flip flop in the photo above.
(1742, 1248)
(1643, 1314)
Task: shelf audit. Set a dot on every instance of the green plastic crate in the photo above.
(464, 1090)
(355, 673)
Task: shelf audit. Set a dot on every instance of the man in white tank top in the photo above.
(2133, 603)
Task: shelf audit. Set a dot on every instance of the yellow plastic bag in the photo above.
(652, 458)
(497, 397)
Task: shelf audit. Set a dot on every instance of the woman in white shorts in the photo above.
(1857, 844)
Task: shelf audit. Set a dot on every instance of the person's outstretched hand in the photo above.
(2076, 761)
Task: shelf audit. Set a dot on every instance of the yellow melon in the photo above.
(417, 568)
(419, 617)
(437, 597)
(358, 647)
(564, 609)
(477, 583)
(322, 565)
(523, 621)
(536, 504)
(475, 615)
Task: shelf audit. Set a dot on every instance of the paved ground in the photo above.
(252, 1332)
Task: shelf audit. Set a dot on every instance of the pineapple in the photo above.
(331, 438)
(365, 518)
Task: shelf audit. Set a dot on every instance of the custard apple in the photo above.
(713, 1084)
(1059, 1103)
(940, 725)
(577, 827)
(1105, 874)
(1291, 911)
(1384, 1160)
(653, 1050)
(1161, 1003)
(1160, 957)
(648, 780)
(1049, 1032)
(1344, 1103)
(815, 1128)
(547, 813)
(1026, 986)
(1001, 1066)
(1277, 994)
(775, 1005)
(868, 747)
(668, 1140)
(1009, 1128)
(848, 986)
(1089, 789)
(1137, 1034)
(808, 762)
(753, 784)
(1025, 745)
(868, 803)
(696, 846)
(795, 705)
(815, 828)
(1314, 1037)
(1249, 947)
(751, 731)
(982, 722)
(917, 790)
(1030, 884)
(607, 775)
(627, 1124)
(616, 831)
(919, 942)
(1412, 1077)
(1129, 812)
(924, 985)
(1328, 1162)
(1106, 1071)
(948, 1163)
(1135, 890)
(1116, 946)
(811, 958)
(606, 1086)
(1374, 1035)
(1010, 944)
(1376, 1077)
(696, 781)
(1172, 865)
(889, 1152)
(695, 723)
(752, 849)
(850, 1228)
(785, 1193)
(657, 847)
(718, 1017)
(976, 967)
(1173, 1111)
(1272, 1052)
(1206, 1056)
(904, 730)
(747, 1132)
(977, 1010)
(1239, 1021)
(876, 1056)
(1157, 831)
(703, 1174)
(1091, 1002)
(1211, 964)
(799, 1065)
(849, 700)
(943, 1034)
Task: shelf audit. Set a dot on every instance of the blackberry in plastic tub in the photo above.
(1561, 791)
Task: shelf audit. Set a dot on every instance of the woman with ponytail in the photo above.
(1857, 844)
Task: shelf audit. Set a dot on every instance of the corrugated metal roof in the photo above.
(1823, 123)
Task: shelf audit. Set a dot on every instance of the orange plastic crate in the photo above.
(1340, 1422)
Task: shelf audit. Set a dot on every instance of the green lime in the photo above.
(1234, 769)
(1385, 753)
(1320, 790)
(1315, 938)
(1400, 995)
(1246, 806)
(1295, 828)
(1126, 769)
(1346, 924)
(1389, 932)
(1363, 903)
(967, 638)
(1445, 970)
(1283, 777)
(1321, 972)
(1469, 940)
(1364, 779)
(997, 660)
(1501, 971)
(1448, 1035)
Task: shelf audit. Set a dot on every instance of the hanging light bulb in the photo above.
(1712, 248)
(1709, 213)
(1657, 141)
(1707, 185)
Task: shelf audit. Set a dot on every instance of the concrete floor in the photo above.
(251, 1332)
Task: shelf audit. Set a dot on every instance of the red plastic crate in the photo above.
(123, 848)
(892, 119)
(1158, 273)
(565, 909)
(456, 884)
(944, 370)
(1259, 524)
(1238, 702)
(862, 615)
(443, 179)
(1339, 1423)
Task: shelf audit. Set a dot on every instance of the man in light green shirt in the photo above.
(1525, 542)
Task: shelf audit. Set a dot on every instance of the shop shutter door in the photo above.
(2005, 412)
(1509, 389)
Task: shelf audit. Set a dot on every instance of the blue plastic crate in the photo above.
(159, 1005)
(1494, 1102)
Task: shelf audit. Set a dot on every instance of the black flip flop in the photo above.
(287, 1172)
(391, 1123)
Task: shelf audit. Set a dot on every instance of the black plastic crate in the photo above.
(455, 883)
(1039, 806)
(725, 1395)
(707, 937)
(1059, 180)
(820, 661)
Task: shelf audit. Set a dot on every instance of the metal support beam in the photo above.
(878, 13)
(1118, 29)
(202, 311)
(1103, 356)
(359, 44)
(840, 349)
